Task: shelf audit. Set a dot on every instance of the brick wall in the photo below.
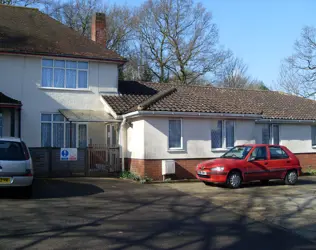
(185, 168)
(307, 160)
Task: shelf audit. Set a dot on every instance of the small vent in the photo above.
(168, 167)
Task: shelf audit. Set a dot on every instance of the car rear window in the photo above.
(11, 151)
(277, 153)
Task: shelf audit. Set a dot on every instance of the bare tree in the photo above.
(298, 72)
(24, 3)
(233, 74)
(180, 39)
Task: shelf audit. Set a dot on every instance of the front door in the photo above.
(279, 160)
(257, 169)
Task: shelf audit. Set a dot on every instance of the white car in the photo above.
(16, 168)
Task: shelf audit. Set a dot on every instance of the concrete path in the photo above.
(116, 214)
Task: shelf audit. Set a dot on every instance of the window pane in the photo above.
(277, 153)
(59, 63)
(260, 153)
(216, 135)
(230, 136)
(46, 117)
(46, 130)
(59, 78)
(82, 135)
(47, 77)
(266, 134)
(1, 124)
(58, 117)
(276, 139)
(114, 142)
(71, 64)
(47, 63)
(71, 78)
(73, 134)
(58, 135)
(175, 134)
(82, 65)
(11, 151)
(83, 79)
(313, 135)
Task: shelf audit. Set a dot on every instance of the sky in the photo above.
(261, 32)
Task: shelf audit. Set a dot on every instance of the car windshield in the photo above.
(239, 152)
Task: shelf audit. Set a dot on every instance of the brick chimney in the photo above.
(98, 26)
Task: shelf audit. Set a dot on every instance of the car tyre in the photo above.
(291, 177)
(234, 180)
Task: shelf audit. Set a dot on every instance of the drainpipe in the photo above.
(122, 141)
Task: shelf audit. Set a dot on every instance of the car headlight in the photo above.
(218, 169)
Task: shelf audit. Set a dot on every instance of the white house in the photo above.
(59, 89)
(56, 78)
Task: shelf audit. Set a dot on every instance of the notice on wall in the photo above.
(68, 154)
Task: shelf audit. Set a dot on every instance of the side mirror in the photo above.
(252, 158)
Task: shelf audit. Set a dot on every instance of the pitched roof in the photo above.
(8, 100)
(209, 99)
(29, 31)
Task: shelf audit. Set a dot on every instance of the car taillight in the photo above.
(28, 172)
(25, 151)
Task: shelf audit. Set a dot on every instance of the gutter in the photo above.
(288, 121)
(190, 114)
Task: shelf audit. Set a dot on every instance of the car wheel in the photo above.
(28, 192)
(207, 183)
(291, 177)
(234, 180)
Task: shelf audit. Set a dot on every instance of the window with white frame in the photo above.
(313, 132)
(175, 134)
(1, 122)
(271, 134)
(223, 135)
(64, 74)
(55, 132)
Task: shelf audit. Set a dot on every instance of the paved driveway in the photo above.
(116, 214)
(290, 207)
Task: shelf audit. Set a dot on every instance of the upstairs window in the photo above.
(64, 74)
(223, 136)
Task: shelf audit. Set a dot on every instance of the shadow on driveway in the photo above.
(54, 188)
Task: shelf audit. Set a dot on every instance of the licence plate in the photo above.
(5, 180)
(202, 172)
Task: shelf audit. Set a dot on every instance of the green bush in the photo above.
(310, 171)
(135, 177)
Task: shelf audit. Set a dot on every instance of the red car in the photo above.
(249, 163)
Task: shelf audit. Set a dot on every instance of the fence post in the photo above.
(50, 162)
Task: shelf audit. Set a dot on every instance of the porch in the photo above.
(10, 116)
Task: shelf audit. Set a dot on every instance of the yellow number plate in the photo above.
(4, 180)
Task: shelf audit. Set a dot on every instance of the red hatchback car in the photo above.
(249, 163)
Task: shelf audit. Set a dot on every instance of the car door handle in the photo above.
(288, 161)
(265, 163)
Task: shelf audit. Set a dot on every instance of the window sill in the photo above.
(314, 147)
(175, 150)
(222, 150)
(66, 89)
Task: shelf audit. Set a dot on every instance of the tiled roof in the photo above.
(209, 99)
(8, 100)
(29, 31)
